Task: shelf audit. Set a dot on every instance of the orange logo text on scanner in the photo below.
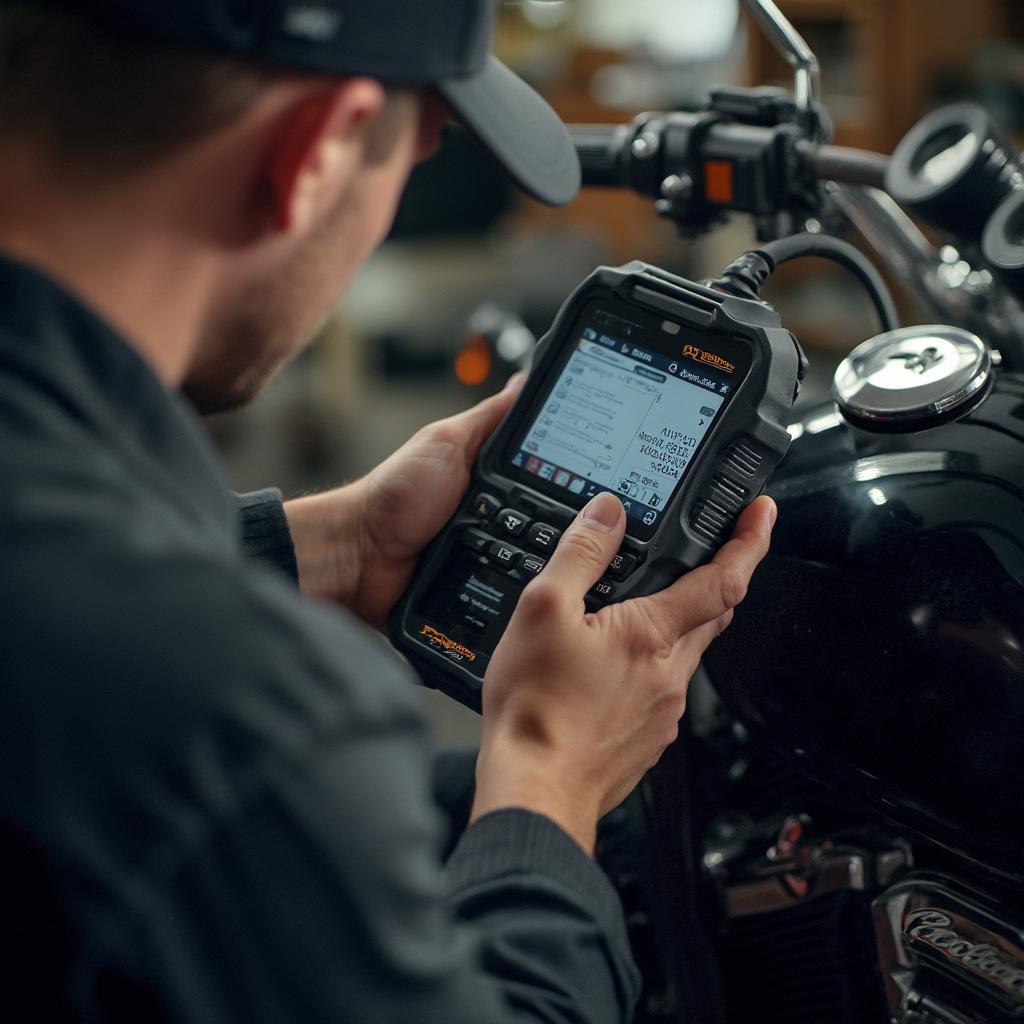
(446, 643)
(699, 355)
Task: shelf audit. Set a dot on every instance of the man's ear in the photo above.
(318, 145)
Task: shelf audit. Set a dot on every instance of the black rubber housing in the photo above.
(1002, 244)
(962, 200)
(729, 470)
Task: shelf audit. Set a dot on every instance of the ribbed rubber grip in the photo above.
(597, 146)
(715, 512)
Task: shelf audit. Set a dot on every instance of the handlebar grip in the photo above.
(597, 146)
(849, 166)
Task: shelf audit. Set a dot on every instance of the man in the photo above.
(214, 795)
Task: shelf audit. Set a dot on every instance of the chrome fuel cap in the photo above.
(913, 378)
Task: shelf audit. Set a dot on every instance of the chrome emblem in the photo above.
(951, 948)
(919, 362)
(938, 930)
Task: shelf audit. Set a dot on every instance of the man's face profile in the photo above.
(277, 301)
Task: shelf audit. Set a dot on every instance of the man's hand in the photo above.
(577, 707)
(358, 545)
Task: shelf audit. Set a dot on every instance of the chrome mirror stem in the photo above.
(792, 47)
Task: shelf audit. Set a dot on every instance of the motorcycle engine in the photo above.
(843, 927)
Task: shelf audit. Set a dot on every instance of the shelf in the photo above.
(881, 60)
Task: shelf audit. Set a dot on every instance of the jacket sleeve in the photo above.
(549, 922)
(264, 531)
(311, 887)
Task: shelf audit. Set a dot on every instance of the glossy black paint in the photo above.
(883, 638)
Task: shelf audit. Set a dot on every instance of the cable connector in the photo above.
(744, 277)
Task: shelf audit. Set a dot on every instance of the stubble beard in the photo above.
(264, 329)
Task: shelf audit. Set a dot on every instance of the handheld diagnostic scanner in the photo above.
(671, 395)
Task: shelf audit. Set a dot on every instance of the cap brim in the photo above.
(519, 127)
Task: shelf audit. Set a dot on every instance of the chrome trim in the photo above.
(790, 883)
(797, 868)
(792, 47)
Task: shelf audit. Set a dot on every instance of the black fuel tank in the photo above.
(882, 640)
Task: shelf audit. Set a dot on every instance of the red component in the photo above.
(718, 186)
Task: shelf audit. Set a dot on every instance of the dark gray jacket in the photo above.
(215, 794)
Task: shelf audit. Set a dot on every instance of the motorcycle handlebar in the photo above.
(601, 149)
(845, 165)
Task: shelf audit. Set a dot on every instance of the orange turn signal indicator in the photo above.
(473, 363)
(718, 183)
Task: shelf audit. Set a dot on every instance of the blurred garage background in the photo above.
(473, 271)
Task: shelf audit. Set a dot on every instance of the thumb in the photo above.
(477, 424)
(590, 543)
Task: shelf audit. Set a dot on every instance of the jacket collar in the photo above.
(78, 362)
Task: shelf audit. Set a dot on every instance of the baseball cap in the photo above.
(439, 43)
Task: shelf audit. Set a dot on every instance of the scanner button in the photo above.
(475, 540)
(603, 589)
(504, 554)
(621, 566)
(485, 505)
(531, 565)
(543, 537)
(512, 522)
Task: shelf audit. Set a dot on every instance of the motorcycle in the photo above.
(838, 834)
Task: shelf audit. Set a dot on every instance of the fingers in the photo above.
(698, 640)
(472, 427)
(590, 543)
(708, 593)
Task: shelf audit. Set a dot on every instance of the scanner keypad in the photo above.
(499, 520)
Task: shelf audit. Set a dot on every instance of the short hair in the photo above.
(96, 101)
